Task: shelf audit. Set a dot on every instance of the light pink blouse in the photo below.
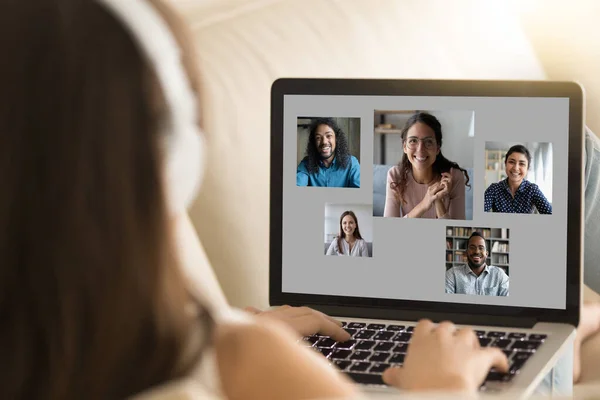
(415, 192)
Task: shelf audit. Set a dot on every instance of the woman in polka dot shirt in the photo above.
(515, 194)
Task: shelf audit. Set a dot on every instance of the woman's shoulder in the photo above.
(531, 187)
(457, 173)
(394, 172)
(493, 187)
(203, 380)
(529, 184)
(458, 177)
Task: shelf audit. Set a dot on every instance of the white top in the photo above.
(359, 250)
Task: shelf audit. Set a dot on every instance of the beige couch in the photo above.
(244, 45)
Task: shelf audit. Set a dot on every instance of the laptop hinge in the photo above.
(403, 315)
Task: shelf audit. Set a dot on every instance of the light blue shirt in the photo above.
(332, 176)
(492, 281)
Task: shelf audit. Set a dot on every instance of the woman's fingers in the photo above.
(393, 377)
(441, 192)
(302, 311)
(433, 186)
(453, 356)
(306, 321)
(423, 326)
(445, 189)
(493, 357)
(294, 311)
(468, 336)
(315, 323)
(445, 329)
(436, 188)
(446, 179)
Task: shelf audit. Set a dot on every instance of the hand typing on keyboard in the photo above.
(305, 321)
(440, 356)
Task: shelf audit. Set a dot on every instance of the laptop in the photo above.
(351, 236)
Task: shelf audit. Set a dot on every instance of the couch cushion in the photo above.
(590, 349)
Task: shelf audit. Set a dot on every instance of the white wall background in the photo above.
(364, 215)
(565, 38)
(458, 126)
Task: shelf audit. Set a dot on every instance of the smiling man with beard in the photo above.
(477, 277)
(328, 162)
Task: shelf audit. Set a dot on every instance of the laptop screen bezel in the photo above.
(411, 309)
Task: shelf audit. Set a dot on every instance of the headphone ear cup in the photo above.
(184, 168)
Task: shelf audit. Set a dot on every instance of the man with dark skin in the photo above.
(328, 162)
(477, 277)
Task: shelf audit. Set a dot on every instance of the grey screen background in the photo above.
(408, 254)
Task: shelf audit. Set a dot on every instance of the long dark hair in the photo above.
(342, 151)
(441, 163)
(92, 303)
(342, 235)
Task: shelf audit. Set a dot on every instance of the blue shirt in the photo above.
(498, 198)
(492, 281)
(332, 176)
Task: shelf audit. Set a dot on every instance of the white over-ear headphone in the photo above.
(183, 137)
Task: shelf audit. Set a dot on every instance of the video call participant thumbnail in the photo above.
(328, 162)
(515, 194)
(349, 241)
(425, 184)
(477, 277)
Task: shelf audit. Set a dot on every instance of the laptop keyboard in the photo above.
(375, 347)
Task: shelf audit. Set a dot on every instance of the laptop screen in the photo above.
(445, 199)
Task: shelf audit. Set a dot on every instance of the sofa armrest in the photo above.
(590, 349)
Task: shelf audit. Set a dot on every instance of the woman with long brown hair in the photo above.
(100, 153)
(425, 184)
(89, 307)
(99, 156)
(349, 241)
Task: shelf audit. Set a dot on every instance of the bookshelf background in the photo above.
(497, 242)
(494, 166)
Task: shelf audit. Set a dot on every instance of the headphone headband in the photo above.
(156, 41)
(184, 144)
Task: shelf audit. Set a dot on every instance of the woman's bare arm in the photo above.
(265, 362)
